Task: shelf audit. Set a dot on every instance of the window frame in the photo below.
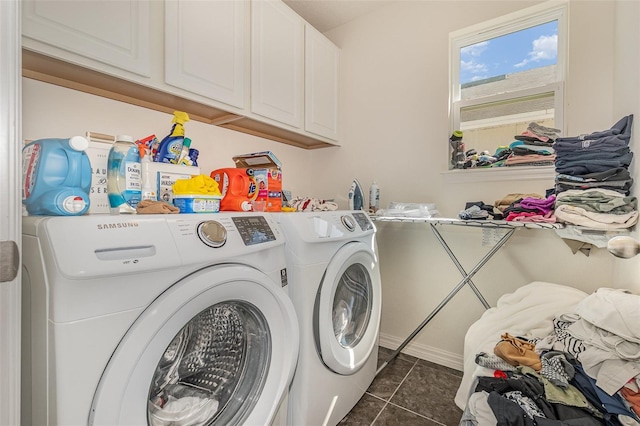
(513, 22)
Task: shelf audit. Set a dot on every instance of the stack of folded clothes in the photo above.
(534, 147)
(598, 160)
(593, 181)
(597, 209)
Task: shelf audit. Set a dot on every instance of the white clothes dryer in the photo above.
(158, 320)
(335, 287)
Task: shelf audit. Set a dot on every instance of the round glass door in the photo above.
(347, 309)
(352, 305)
(213, 370)
(219, 347)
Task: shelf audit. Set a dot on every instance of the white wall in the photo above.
(627, 98)
(53, 111)
(394, 103)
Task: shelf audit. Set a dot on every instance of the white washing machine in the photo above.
(335, 287)
(158, 320)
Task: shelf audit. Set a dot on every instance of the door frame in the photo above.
(10, 211)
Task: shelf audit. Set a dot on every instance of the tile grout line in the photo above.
(417, 414)
(395, 391)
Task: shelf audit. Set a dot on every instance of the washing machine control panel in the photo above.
(253, 229)
(212, 233)
(363, 221)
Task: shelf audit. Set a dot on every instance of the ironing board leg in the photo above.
(465, 280)
(444, 245)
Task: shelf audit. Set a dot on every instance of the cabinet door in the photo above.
(321, 84)
(277, 62)
(114, 32)
(206, 48)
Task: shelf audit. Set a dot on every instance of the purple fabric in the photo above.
(543, 205)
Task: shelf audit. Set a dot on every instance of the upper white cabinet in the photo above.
(249, 66)
(206, 48)
(321, 84)
(277, 61)
(115, 32)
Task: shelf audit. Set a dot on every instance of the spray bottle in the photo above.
(170, 147)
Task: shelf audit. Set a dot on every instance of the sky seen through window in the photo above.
(519, 51)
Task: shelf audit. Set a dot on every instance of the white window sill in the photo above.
(499, 174)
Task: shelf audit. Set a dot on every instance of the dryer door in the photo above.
(217, 348)
(347, 309)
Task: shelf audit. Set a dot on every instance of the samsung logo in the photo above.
(118, 225)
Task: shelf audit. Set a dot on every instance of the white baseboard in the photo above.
(428, 353)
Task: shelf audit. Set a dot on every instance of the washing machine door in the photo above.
(219, 347)
(347, 309)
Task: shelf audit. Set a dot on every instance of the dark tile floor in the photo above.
(409, 391)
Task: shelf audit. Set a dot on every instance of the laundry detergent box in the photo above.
(164, 175)
(98, 152)
(267, 172)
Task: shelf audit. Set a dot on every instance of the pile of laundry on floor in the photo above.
(583, 372)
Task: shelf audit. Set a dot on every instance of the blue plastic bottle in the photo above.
(124, 176)
(56, 177)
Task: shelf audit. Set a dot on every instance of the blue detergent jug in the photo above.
(56, 177)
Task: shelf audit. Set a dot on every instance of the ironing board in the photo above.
(508, 227)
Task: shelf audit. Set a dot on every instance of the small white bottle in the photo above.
(148, 189)
(374, 197)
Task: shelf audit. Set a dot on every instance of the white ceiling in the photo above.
(326, 15)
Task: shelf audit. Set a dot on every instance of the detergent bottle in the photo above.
(238, 188)
(124, 176)
(56, 177)
(170, 147)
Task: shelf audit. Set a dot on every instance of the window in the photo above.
(506, 74)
